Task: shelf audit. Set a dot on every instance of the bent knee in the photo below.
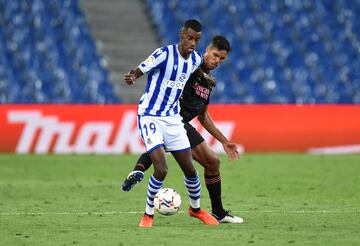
(212, 167)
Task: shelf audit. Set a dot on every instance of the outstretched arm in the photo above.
(230, 148)
(132, 75)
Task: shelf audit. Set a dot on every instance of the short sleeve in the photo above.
(154, 60)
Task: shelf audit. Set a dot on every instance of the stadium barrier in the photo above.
(112, 129)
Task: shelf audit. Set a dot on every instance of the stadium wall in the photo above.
(112, 129)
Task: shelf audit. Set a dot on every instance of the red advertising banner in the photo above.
(295, 128)
(112, 129)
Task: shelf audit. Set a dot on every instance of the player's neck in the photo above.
(182, 53)
(205, 69)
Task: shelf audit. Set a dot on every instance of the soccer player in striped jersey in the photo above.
(159, 120)
(194, 103)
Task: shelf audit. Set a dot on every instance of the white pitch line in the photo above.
(69, 213)
(141, 212)
(301, 211)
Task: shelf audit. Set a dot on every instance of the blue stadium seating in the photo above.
(47, 55)
(284, 51)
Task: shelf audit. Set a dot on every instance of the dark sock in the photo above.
(143, 163)
(150, 215)
(213, 185)
(195, 210)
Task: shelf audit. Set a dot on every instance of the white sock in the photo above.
(153, 187)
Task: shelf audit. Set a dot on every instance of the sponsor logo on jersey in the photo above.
(201, 91)
(175, 84)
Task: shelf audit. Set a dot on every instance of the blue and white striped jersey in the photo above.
(167, 72)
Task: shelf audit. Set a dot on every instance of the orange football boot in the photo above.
(204, 216)
(146, 221)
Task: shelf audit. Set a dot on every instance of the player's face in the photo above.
(214, 57)
(189, 40)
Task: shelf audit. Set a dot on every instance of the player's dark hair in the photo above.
(221, 43)
(193, 24)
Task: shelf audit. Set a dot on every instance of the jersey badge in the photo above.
(149, 61)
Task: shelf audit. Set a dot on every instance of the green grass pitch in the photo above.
(285, 199)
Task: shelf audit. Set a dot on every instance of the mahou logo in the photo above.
(47, 133)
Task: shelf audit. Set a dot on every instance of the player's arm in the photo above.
(208, 123)
(132, 75)
(154, 61)
(203, 76)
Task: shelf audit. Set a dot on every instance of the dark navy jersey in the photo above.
(195, 96)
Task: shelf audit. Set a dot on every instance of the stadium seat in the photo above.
(283, 51)
(297, 51)
(49, 56)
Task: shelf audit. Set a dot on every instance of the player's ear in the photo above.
(208, 49)
(182, 33)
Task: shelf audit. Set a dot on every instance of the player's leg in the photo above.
(143, 163)
(135, 176)
(191, 178)
(192, 183)
(178, 143)
(154, 143)
(204, 155)
(158, 156)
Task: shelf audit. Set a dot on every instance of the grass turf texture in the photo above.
(285, 199)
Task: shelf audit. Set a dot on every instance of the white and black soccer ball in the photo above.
(167, 201)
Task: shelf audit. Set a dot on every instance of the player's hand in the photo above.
(130, 77)
(231, 149)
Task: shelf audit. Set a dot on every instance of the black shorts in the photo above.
(194, 137)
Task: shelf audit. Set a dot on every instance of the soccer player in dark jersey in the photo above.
(194, 103)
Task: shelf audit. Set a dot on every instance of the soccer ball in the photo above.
(167, 201)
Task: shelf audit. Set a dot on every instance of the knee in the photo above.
(213, 167)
